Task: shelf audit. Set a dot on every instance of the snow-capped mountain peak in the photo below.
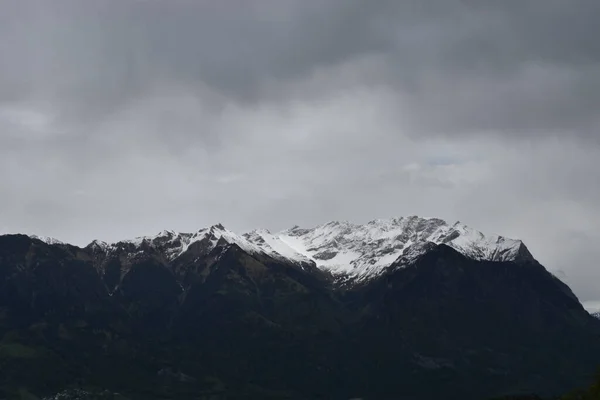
(219, 232)
(98, 245)
(46, 239)
(173, 244)
(345, 249)
(363, 251)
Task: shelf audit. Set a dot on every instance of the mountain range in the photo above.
(412, 308)
(350, 252)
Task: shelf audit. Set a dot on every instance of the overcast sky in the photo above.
(121, 118)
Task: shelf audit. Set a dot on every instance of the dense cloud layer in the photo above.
(123, 117)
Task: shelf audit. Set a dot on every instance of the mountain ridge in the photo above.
(350, 252)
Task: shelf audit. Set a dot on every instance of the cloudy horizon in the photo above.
(124, 118)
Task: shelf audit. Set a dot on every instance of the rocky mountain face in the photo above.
(405, 308)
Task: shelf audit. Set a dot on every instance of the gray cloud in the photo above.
(458, 66)
(127, 117)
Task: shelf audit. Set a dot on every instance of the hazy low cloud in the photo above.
(120, 118)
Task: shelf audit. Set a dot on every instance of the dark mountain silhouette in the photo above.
(220, 320)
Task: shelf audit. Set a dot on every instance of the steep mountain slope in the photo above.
(54, 313)
(475, 327)
(428, 311)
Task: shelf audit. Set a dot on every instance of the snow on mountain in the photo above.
(274, 246)
(344, 249)
(172, 244)
(46, 239)
(98, 245)
(216, 232)
(362, 251)
(596, 314)
(480, 247)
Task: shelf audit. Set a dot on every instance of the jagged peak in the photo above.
(46, 239)
(337, 223)
(217, 227)
(98, 245)
(167, 233)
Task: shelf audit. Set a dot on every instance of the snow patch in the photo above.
(46, 239)
(275, 246)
